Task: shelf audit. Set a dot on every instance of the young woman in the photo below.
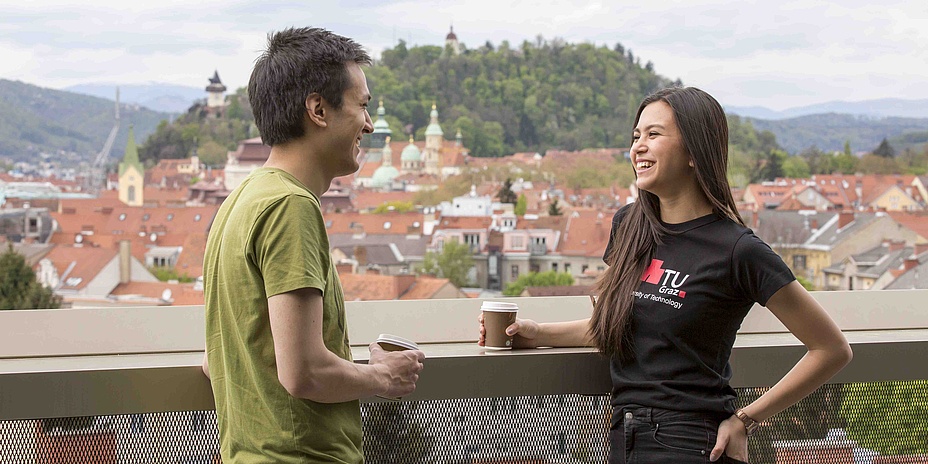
(683, 273)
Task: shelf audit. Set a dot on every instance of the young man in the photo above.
(277, 351)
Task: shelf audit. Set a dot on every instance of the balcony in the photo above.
(124, 385)
(538, 249)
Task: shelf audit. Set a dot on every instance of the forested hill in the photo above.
(37, 120)
(830, 131)
(505, 99)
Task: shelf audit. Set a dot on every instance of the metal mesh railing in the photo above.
(872, 423)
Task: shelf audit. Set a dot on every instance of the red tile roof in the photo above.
(369, 287)
(386, 223)
(366, 199)
(181, 294)
(587, 233)
(916, 222)
(83, 263)
(252, 151)
(464, 222)
(425, 288)
(110, 224)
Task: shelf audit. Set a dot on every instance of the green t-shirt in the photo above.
(269, 238)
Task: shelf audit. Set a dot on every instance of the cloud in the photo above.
(750, 52)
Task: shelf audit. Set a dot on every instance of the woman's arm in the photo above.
(828, 352)
(530, 334)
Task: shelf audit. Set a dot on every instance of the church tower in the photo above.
(433, 141)
(215, 95)
(451, 40)
(131, 174)
(381, 128)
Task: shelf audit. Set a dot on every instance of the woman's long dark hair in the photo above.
(704, 131)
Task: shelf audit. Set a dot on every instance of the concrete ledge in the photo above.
(123, 384)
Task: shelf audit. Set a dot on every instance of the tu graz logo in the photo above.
(669, 280)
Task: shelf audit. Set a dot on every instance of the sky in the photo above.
(775, 54)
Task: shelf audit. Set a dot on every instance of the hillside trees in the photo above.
(197, 133)
(539, 95)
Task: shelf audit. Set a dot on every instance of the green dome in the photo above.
(380, 125)
(384, 176)
(434, 128)
(411, 152)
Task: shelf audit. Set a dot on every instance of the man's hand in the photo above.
(400, 369)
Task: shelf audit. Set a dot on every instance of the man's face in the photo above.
(348, 124)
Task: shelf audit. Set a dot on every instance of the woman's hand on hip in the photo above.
(732, 440)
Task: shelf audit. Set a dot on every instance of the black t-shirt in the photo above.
(693, 296)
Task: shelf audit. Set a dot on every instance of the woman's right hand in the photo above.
(524, 333)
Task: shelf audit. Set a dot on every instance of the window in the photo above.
(584, 267)
(131, 193)
(799, 261)
(518, 242)
(122, 217)
(515, 272)
(554, 267)
(567, 268)
(473, 241)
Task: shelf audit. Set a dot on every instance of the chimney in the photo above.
(845, 218)
(894, 245)
(357, 230)
(813, 223)
(125, 261)
(360, 255)
(344, 268)
(402, 283)
(909, 263)
(921, 248)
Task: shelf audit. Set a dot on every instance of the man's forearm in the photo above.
(335, 380)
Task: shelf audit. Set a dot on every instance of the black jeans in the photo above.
(658, 436)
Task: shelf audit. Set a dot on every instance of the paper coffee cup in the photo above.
(390, 342)
(395, 343)
(496, 317)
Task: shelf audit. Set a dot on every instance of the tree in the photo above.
(554, 209)
(521, 205)
(888, 417)
(505, 194)
(454, 262)
(795, 166)
(874, 164)
(885, 150)
(846, 162)
(19, 288)
(394, 206)
(538, 279)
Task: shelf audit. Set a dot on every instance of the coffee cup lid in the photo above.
(499, 306)
(398, 341)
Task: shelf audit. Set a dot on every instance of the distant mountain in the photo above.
(828, 132)
(37, 120)
(886, 107)
(166, 98)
